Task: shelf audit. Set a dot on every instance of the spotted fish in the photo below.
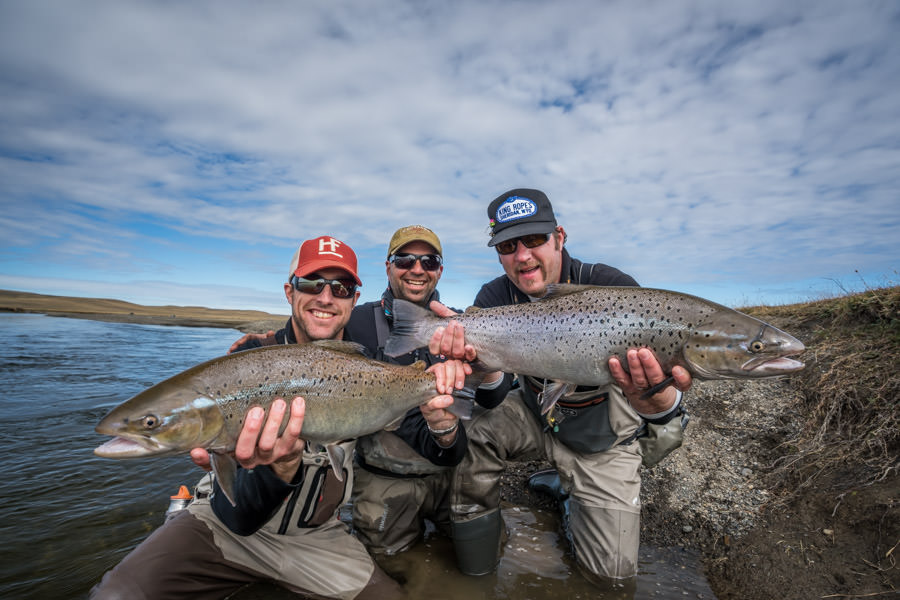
(569, 335)
(347, 396)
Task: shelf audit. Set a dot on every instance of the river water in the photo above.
(68, 516)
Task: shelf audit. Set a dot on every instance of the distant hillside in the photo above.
(104, 309)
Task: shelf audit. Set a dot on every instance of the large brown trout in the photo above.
(347, 395)
(569, 335)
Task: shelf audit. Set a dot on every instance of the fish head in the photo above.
(164, 419)
(732, 345)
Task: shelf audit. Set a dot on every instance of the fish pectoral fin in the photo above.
(552, 393)
(225, 468)
(395, 424)
(336, 456)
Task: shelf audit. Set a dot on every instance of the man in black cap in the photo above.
(593, 448)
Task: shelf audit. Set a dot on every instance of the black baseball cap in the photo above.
(520, 212)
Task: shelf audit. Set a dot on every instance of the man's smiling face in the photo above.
(533, 269)
(320, 316)
(414, 284)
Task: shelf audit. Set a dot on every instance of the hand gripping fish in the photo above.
(569, 335)
(347, 396)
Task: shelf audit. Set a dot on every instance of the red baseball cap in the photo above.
(323, 252)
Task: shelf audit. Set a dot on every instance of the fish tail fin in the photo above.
(225, 468)
(404, 338)
(464, 399)
(463, 403)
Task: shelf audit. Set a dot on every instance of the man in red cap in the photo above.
(402, 476)
(284, 526)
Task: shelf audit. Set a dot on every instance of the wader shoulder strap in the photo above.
(382, 329)
(581, 277)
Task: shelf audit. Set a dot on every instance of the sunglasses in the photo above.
(340, 288)
(529, 241)
(430, 262)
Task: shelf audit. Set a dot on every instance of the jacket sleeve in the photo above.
(491, 398)
(259, 494)
(414, 431)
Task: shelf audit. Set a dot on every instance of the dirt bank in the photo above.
(789, 488)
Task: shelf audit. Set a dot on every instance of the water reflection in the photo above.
(536, 565)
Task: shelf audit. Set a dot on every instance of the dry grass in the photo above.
(851, 386)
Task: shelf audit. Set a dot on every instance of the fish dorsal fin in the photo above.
(558, 290)
(472, 310)
(341, 346)
(419, 365)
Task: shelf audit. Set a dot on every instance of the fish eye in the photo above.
(150, 421)
(756, 346)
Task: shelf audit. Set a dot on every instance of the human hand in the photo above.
(450, 341)
(439, 419)
(251, 336)
(449, 375)
(260, 444)
(644, 372)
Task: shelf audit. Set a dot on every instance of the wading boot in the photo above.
(547, 482)
(477, 543)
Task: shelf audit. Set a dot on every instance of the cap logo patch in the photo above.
(515, 207)
(330, 246)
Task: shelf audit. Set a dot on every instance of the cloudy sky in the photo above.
(178, 152)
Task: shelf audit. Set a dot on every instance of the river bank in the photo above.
(104, 309)
(788, 488)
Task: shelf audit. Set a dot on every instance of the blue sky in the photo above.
(178, 152)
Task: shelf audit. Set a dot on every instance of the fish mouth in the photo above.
(772, 366)
(120, 447)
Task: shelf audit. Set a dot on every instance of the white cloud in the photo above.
(690, 143)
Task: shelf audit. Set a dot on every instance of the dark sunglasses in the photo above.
(340, 288)
(430, 262)
(529, 241)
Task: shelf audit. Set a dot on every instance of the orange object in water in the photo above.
(179, 501)
(183, 494)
